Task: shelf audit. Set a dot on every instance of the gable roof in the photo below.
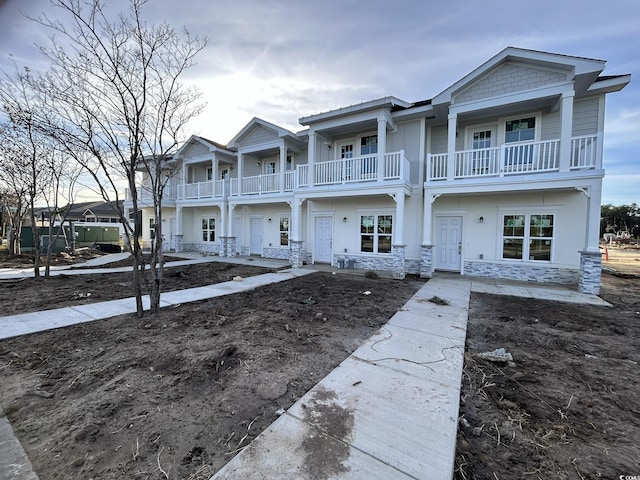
(575, 66)
(211, 145)
(255, 121)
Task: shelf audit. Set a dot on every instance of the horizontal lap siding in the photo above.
(585, 116)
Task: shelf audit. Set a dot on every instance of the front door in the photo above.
(322, 244)
(448, 243)
(255, 235)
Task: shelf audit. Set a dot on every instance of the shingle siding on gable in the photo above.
(506, 79)
(196, 150)
(259, 135)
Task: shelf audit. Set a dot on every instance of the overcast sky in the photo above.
(284, 59)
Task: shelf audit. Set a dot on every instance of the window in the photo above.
(527, 237)
(520, 130)
(369, 145)
(224, 173)
(152, 228)
(209, 173)
(208, 229)
(368, 149)
(289, 163)
(270, 168)
(284, 231)
(481, 139)
(375, 233)
(346, 151)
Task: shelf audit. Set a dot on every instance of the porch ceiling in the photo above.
(538, 104)
(344, 130)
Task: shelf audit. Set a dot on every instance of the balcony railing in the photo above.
(513, 159)
(145, 195)
(356, 170)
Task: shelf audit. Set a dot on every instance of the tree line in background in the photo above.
(109, 106)
(620, 221)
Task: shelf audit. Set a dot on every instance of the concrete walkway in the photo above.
(389, 411)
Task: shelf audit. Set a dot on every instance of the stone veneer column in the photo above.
(223, 246)
(179, 244)
(590, 270)
(426, 265)
(398, 252)
(231, 247)
(296, 258)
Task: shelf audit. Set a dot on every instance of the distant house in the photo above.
(91, 212)
(499, 175)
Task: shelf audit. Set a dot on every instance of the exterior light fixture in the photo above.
(481, 219)
(344, 219)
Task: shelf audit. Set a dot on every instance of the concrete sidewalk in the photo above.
(389, 411)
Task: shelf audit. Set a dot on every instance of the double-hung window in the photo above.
(376, 233)
(208, 229)
(519, 131)
(527, 237)
(368, 152)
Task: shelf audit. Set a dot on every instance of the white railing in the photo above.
(512, 159)
(289, 181)
(356, 170)
(583, 152)
(144, 194)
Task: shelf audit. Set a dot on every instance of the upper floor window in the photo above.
(224, 173)
(209, 173)
(289, 163)
(369, 145)
(523, 130)
(270, 167)
(346, 151)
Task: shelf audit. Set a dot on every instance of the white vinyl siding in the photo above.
(585, 116)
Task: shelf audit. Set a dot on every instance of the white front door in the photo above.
(255, 234)
(322, 242)
(172, 233)
(448, 243)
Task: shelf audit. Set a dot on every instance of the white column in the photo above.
(592, 234)
(382, 146)
(399, 223)
(566, 127)
(283, 165)
(223, 220)
(179, 220)
(296, 218)
(311, 159)
(214, 173)
(240, 169)
(231, 206)
(427, 214)
(451, 146)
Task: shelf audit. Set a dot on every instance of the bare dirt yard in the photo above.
(176, 395)
(568, 406)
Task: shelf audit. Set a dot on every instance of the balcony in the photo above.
(145, 196)
(356, 170)
(513, 159)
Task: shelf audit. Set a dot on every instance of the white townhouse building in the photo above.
(500, 175)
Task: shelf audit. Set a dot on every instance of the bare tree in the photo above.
(21, 161)
(118, 107)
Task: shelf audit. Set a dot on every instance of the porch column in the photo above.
(399, 226)
(382, 147)
(231, 247)
(182, 186)
(592, 234)
(214, 174)
(312, 159)
(566, 127)
(283, 166)
(296, 252)
(426, 249)
(178, 235)
(451, 145)
(240, 169)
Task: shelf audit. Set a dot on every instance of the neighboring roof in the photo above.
(97, 208)
(360, 107)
